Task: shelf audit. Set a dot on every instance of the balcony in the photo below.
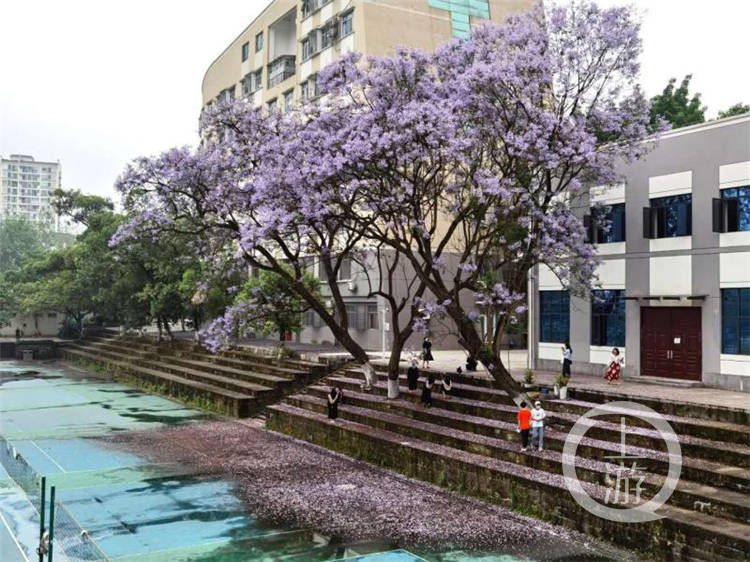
(280, 69)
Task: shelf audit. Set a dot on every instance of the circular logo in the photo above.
(641, 511)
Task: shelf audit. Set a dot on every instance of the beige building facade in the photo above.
(276, 59)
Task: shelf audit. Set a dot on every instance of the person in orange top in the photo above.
(524, 425)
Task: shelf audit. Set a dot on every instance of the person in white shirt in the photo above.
(537, 424)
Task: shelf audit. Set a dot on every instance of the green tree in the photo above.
(271, 306)
(737, 109)
(676, 106)
(20, 240)
(79, 206)
(8, 301)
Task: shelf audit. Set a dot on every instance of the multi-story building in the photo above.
(275, 61)
(675, 277)
(26, 187)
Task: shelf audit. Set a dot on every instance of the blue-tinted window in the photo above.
(738, 208)
(674, 215)
(735, 321)
(608, 318)
(554, 316)
(245, 51)
(609, 222)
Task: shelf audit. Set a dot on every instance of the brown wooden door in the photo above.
(686, 343)
(671, 342)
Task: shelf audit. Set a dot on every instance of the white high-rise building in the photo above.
(26, 187)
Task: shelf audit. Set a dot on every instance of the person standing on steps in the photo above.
(567, 359)
(524, 425)
(334, 399)
(427, 391)
(427, 352)
(447, 384)
(613, 367)
(537, 425)
(412, 376)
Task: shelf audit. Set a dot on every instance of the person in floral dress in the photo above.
(613, 367)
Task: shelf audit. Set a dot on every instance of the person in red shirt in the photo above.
(524, 425)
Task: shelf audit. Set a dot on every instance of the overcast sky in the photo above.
(95, 84)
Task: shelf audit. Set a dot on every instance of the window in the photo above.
(608, 318)
(372, 317)
(733, 210)
(346, 24)
(351, 315)
(308, 7)
(309, 45)
(288, 100)
(227, 94)
(328, 34)
(668, 217)
(273, 106)
(310, 88)
(735, 321)
(345, 270)
(554, 316)
(281, 69)
(245, 51)
(607, 224)
(258, 80)
(259, 42)
(247, 85)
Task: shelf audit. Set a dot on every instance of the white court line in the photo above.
(46, 455)
(15, 540)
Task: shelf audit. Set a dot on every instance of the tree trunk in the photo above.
(196, 326)
(472, 342)
(158, 326)
(394, 362)
(168, 329)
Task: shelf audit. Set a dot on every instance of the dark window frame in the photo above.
(259, 42)
(607, 224)
(554, 316)
(245, 51)
(735, 321)
(735, 209)
(669, 217)
(608, 318)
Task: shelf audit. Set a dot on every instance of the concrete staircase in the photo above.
(236, 383)
(468, 443)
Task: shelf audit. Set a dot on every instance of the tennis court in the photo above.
(113, 505)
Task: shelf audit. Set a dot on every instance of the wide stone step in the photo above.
(242, 374)
(535, 491)
(253, 389)
(307, 366)
(190, 391)
(291, 373)
(713, 431)
(497, 420)
(663, 406)
(404, 420)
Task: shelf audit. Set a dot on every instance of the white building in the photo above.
(26, 187)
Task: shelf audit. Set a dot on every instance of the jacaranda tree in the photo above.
(461, 163)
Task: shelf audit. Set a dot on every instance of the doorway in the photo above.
(671, 342)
